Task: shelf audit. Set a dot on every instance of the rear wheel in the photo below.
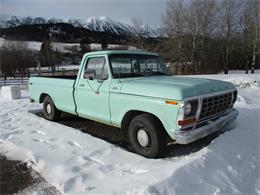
(147, 136)
(50, 111)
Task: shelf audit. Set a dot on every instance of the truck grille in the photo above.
(214, 105)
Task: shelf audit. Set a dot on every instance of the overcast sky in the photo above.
(149, 11)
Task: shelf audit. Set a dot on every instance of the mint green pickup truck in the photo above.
(132, 90)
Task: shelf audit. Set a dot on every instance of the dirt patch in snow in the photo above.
(17, 177)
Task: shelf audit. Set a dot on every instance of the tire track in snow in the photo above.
(76, 162)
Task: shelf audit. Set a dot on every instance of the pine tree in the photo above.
(84, 45)
(47, 55)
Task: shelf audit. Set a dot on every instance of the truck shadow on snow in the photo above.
(116, 136)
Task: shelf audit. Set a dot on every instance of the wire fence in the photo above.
(14, 81)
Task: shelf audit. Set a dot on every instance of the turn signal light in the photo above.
(171, 102)
(188, 121)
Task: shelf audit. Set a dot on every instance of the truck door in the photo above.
(92, 90)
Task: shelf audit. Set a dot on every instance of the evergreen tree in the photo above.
(103, 42)
(84, 45)
(47, 55)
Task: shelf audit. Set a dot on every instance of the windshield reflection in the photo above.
(124, 66)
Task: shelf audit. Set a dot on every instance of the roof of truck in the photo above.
(140, 52)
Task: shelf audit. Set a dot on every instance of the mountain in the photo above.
(59, 32)
(97, 24)
(9, 21)
(108, 25)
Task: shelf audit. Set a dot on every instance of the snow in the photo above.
(13, 152)
(63, 47)
(11, 92)
(36, 45)
(78, 163)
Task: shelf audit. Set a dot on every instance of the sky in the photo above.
(149, 11)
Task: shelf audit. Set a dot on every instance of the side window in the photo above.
(96, 68)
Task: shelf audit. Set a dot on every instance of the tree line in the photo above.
(16, 57)
(204, 36)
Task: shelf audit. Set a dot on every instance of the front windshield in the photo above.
(128, 65)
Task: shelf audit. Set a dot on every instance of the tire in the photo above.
(147, 136)
(50, 111)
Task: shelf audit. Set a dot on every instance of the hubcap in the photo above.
(142, 137)
(48, 108)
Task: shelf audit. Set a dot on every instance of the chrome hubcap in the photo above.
(142, 137)
(48, 108)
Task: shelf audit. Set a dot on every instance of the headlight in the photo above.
(187, 113)
(187, 108)
(190, 108)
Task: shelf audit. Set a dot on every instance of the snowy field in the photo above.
(62, 47)
(78, 163)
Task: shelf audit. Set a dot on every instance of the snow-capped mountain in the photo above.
(100, 24)
(106, 24)
(12, 21)
(9, 21)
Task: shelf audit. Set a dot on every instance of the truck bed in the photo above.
(59, 88)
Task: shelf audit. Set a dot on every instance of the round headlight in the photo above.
(187, 109)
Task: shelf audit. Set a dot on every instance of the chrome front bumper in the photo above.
(185, 137)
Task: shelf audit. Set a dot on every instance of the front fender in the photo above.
(120, 104)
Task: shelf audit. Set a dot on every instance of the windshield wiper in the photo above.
(155, 73)
(129, 75)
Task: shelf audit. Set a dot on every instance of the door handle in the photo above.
(82, 85)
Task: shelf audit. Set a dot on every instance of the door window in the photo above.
(96, 68)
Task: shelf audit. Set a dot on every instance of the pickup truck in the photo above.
(131, 90)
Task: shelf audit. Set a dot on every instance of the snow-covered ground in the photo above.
(62, 47)
(77, 163)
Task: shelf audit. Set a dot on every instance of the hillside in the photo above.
(60, 32)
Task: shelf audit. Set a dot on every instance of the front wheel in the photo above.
(147, 136)
(50, 111)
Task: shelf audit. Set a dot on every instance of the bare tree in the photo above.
(140, 33)
(190, 24)
(229, 19)
(175, 26)
(206, 14)
(200, 24)
(206, 34)
(255, 4)
(250, 25)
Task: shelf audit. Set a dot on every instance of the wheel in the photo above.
(50, 111)
(147, 136)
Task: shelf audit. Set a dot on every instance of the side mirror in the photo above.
(102, 79)
(89, 74)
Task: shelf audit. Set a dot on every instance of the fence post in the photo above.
(5, 79)
(22, 77)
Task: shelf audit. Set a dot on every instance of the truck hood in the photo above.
(172, 87)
